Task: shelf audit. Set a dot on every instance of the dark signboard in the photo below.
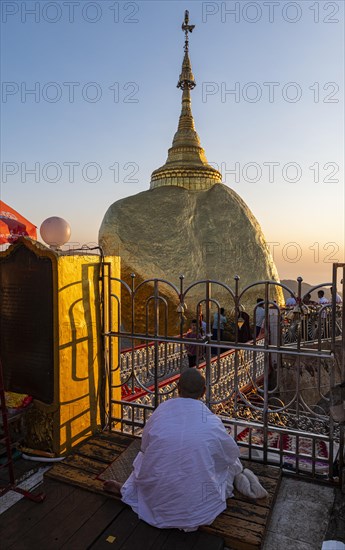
(26, 323)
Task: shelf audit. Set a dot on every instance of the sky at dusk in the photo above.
(89, 108)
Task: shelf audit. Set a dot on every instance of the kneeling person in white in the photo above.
(185, 470)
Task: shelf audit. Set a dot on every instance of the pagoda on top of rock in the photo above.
(186, 165)
(188, 222)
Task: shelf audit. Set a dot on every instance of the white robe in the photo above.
(185, 469)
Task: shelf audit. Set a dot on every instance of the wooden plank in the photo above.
(148, 537)
(222, 522)
(243, 524)
(95, 452)
(247, 510)
(22, 469)
(116, 437)
(178, 540)
(117, 532)
(144, 535)
(238, 534)
(205, 541)
(163, 535)
(86, 464)
(60, 523)
(91, 529)
(116, 448)
(79, 478)
(19, 519)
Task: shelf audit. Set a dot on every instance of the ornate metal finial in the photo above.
(186, 80)
(187, 28)
(186, 165)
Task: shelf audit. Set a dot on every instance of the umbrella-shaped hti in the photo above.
(14, 225)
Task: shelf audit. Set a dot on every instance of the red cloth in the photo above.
(13, 225)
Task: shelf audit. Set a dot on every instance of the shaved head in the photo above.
(191, 384)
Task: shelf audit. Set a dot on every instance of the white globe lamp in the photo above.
(55, 231)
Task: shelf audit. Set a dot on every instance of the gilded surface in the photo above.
(80, 346)
(186, 165)
(170, 231)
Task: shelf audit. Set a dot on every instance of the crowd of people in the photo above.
(321, 299)
(245, 332)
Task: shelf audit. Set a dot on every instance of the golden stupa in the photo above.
(188, 222)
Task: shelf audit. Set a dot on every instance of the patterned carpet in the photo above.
(289, 445)
(121, 468)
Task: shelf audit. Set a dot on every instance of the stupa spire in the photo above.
(186, 165)
(186, 77)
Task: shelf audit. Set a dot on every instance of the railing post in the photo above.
(343, 326)
(208, 349)
(132, 328)
(110, 347)
(236, 385)
(181, 312)
(342, 427)
(105, 348)
(342, 362)
(156, 344)
(266, 375)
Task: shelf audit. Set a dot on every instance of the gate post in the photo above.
(342, 362)
(156, 344)
(208, 349)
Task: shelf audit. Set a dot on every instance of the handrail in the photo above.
(141, 393)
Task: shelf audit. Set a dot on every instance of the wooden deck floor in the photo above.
(242, 526)
(75, 519)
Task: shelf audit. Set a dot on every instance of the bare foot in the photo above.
(112, 486)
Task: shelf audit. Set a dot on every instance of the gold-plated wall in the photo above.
(76, 365)
(80, 354)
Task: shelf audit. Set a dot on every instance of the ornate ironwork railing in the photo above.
(274, 392)
(310, 323)
(222, 378)
(140, 361)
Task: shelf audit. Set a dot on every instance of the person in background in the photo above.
(259, 316)
(218, 320)
(326, 311)
(291, 301)
(222, 321)
(338, 299)
(202, 325)
(243, 323)
(191, 348)
(274, 329)
(321, 297)
(308, 301)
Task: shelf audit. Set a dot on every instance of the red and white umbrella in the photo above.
(14, 225)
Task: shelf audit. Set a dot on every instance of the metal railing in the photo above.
(273, 393)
